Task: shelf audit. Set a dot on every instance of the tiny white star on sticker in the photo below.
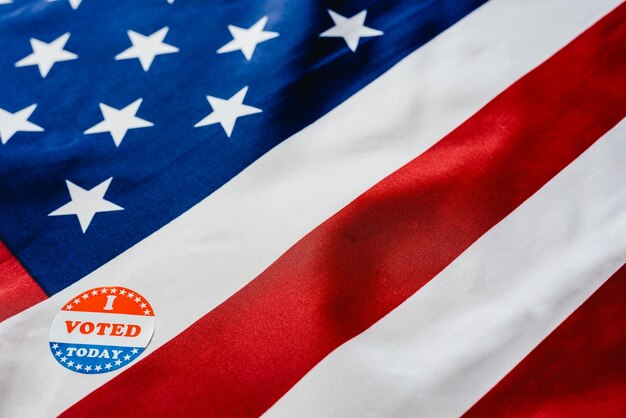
(58, 353)
(98, 368)
(114, 290)
(137, 300)
(146, 48)
(94, 293)
(85, 296)
(11, 123)
(108, 366)
(55, 346)
(246, 40)
(118, 362)
(86, 203)
(126, 357)
(350, 29)
(76, 301)
(143, 305)
(119, 121)
(135, 351)
(130, 295)
(122, 292)
(88, 368)
(45, 55)
(63, 359)
(70, 363)
(146, 312)
(226, 112)
(69, 307)
(78, 366)
(73, 3)
(103, 290)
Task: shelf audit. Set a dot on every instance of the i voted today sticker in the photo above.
(101, 330)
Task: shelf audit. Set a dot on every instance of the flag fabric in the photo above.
(320, 209)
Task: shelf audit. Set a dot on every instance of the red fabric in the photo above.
(360, 264)
(18, 291)
(577, 371)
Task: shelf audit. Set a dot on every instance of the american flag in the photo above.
(312, 208)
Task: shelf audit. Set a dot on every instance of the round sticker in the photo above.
(101, 330)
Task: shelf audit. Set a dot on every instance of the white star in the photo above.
(146, 312)
(46, 55)
(135, 351)
(98, 368)
(143, 305)
(11, 123)
(94, 293)
(122, 292)
(130, 295)
(246, 40)
(76, 301)
(73, 3)
(226, 112)
(88, 368)
(69, 307)
(126, 357)
(63, 359)
(85, 296)
(118, 121)
(70, 363)
(350, 29)
(107, 366)
(55, 346)
(114, 290)
(145, 48)
(86, 203)
(79, 366)
(118, 362)
(58, 353)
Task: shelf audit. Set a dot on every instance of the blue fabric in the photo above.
(160, 172)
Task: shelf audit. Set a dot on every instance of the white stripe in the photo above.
(200, 259)
(447, 345)
(59, 330)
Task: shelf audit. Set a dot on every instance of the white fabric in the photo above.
(446, 346)
(204, 256)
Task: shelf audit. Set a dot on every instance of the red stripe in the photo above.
(578, 371)
(18, 291)
(379, 250)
